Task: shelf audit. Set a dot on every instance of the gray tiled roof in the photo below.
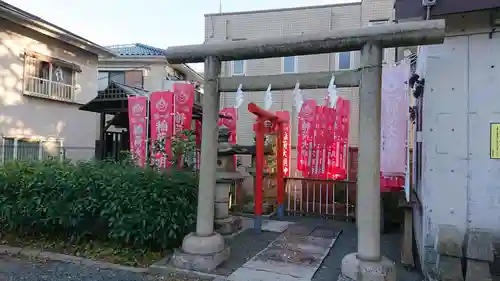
(136, 49)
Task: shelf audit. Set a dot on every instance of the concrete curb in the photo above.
(38, 253)
(161, 269)
(153, 269)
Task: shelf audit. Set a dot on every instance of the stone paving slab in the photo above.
(268, 225)
(295, 254)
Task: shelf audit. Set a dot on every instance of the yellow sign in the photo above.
(495, 140)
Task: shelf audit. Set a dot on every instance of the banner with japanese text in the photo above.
(197, 131)
(162, 125)
(137, 115)
(305, 136)
(184, 100)
(394, 122)
(230, 122)
(340, 139)
(330, 149)
(286, 142)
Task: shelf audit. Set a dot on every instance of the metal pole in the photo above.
(368, 193)
(206, 192)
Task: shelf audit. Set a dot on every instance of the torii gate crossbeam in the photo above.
(205, 249)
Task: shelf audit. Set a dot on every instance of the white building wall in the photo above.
(460, 182)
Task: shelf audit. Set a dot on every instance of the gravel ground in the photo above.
(22, 269)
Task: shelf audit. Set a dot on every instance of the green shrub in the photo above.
(98, 200)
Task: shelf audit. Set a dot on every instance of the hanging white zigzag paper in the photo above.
(239, 97)
(268, 100)
(299, 100)
(332, 92)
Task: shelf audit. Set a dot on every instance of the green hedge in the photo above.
(98, 200)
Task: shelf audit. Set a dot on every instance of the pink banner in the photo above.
(286, 142)
(184, 99)
(394, 119)
(305, 136)
(162, 110)
(137, 116)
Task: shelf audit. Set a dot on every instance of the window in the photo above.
(344, 61)
(50, 78)
(238, 67)
(289, 64)
(134, 78)
(29, 149)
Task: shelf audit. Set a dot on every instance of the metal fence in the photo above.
(29, 150)
(325, 198)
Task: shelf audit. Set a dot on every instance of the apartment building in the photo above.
(292, 21)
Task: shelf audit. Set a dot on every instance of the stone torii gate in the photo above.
(205, 249)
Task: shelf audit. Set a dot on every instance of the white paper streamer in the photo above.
(239, 97)
(268, 100)
(332, 92)
(299, 100)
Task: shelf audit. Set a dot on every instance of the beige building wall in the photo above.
(25, 116)
(280, 22)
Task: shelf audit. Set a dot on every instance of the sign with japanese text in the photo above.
(162, 124)
(137, 115)
(286, 141)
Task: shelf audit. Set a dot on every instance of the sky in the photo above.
(158, 23)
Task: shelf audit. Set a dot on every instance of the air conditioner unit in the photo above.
(429, 3)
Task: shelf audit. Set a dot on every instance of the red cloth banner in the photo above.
(162, 124)
(305, 134)
(197, 131)
(230, 123)
(340, 134)
(330, 148)
(137, 116)
(317, 153)
(184, 99)
(344, 137)
(286, 141)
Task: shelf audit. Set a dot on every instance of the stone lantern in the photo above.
(227, 175)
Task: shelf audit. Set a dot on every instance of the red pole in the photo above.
(279, 172)
(259, 174)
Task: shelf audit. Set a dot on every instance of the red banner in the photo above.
(162, 110)
(305, 134)
(184, 99)
(286, 142)
(330, 148)
(344, 129)
(137, 116)
(230, 123)
(340, 135)
(197, 131)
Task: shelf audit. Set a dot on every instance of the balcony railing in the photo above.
(49, 89)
